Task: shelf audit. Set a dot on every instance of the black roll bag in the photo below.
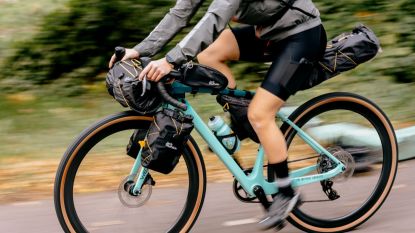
(123, 84)
(343, 53)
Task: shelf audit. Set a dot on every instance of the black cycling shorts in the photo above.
(286, 75)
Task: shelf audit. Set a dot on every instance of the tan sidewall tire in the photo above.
(73, 150)
(347, 97)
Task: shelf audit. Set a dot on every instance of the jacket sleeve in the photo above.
(205, 32)
(172, 23)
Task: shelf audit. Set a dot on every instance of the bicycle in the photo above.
(350, 197)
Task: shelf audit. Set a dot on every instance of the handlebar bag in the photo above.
(165, 140)
(200, 76)
(343, 53)
(237, 106)
(123, 84)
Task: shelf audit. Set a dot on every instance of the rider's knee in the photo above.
(259, 119)
(218, 51)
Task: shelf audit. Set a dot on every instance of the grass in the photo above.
(37, 126)
(20, 18)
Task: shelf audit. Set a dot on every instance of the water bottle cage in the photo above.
(235, 145)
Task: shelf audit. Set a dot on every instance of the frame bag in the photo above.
(343, 53)
(165, 140)
(237, 106)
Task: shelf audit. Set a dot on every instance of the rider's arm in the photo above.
(205, 32)
(174, 21)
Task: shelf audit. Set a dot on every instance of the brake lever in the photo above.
(143, 92)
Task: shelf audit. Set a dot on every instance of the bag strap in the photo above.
(288, 6)
(177, 116)
(290, 3)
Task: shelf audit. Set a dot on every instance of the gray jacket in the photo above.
(218, 15)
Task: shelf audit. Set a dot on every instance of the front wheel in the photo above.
(90, 185)
(360, 135)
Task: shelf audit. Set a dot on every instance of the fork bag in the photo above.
(165, 140)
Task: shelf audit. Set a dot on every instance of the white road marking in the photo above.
(27, 203)
(108, 223)
(240, 222)
(399, 186)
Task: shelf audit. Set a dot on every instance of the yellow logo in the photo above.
(226, 106)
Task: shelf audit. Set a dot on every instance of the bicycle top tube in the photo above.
(181, 89)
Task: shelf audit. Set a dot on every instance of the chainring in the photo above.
(240, 192)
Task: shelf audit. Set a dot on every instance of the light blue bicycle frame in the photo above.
(255, 178)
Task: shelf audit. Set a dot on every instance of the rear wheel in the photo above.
(357, 132)
(91, 181)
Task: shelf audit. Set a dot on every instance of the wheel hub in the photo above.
(130, 199)
(325, 164)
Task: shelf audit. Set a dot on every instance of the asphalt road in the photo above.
(223, 213)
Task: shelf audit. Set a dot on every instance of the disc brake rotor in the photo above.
(131, 200)
(326, 164)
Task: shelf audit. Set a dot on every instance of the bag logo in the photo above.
(170, 145)
(213, 83)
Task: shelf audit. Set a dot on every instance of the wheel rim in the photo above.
(373, 185)
(93, 200)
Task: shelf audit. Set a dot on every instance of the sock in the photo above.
(284, 182)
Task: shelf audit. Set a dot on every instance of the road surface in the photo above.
(223, 213)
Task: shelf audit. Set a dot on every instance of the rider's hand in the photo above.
(129, 54)
(156, 70)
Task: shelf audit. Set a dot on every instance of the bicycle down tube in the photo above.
(248, 182)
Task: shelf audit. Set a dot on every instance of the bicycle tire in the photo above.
(78, 151)
(347, 102)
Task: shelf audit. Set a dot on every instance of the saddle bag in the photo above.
(343, 53)
(122, 84)
(165, 140)
(237, 106)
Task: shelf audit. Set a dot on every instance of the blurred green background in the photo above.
(54, 54)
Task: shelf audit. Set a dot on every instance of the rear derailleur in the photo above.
(325, 164)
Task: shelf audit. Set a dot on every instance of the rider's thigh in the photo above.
(224, 48)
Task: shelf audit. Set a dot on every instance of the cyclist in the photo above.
(281, 31)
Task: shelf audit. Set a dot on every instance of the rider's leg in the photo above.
(224, 48)
(284, 78)
(261, 114)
